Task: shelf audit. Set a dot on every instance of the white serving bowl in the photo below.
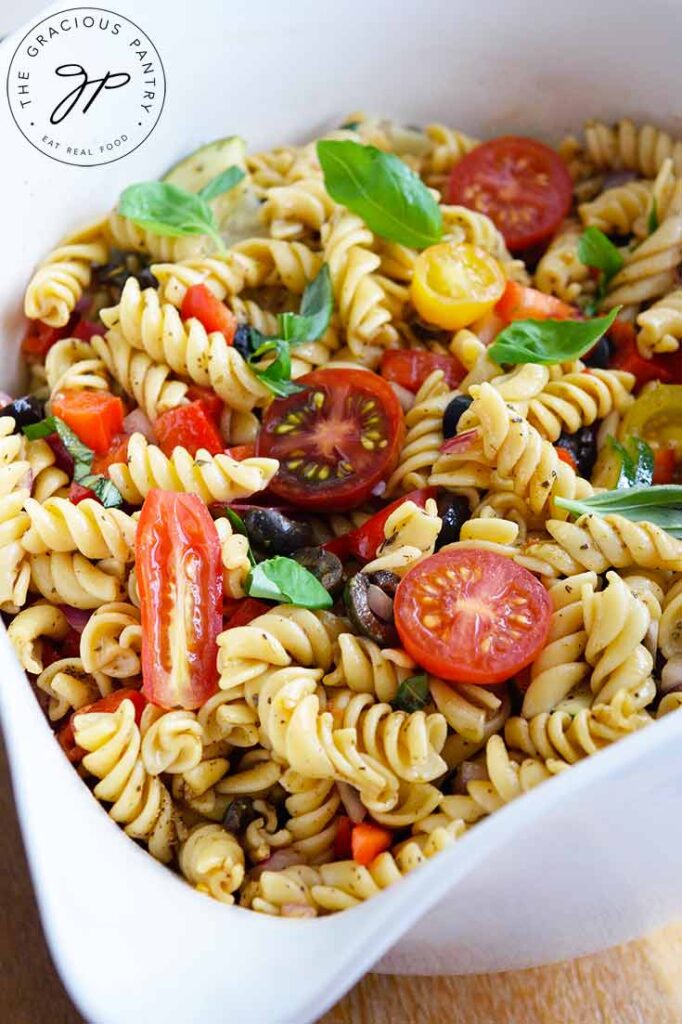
(586, 861)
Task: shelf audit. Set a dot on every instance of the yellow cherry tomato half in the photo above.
(455, 283)
(656, 416)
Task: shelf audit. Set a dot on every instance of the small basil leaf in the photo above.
(598, 251)
(412, 695)
(548, 341)
(636, 462)
(391, 199)
(223, 182)
(33, 431)
(79, 452)
(282, 579)
(312, 320)
(237, 524)
(658, 504)
(652, 220)
(277, 375)
(168, 209)
(105, 490)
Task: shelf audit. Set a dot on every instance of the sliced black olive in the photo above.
(453, 412)
(276, 533)
(120, 267)
(601, 354)
(454, 511)
(583, 447)
(324, 565)
(239, 814)
(26, 410)
(242, 340)
(357, 596)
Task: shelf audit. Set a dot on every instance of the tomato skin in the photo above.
(77, 493)
(522, 303)
(248, 608)
(455, 283)
(472, 616)
(179, 577)
(626, 357)
(212, 403)
(201, 304)
(410, 368)
(521, 184)
(330, 426)
(65, 735)
(342, 840)
(665, 462)
(39, 339)
(368, 841)
(86, 329)
(239, 452)
(188, 426)
(117, 452)
(566, 457)
(363, 541)
(95, 416)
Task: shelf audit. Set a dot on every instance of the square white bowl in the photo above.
(589, 860)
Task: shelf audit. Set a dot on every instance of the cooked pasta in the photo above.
(283, 546)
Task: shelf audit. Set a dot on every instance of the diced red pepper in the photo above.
(626, 356)
(190, 427)
(368, 841)
(118, 452)
(39, 339)
(211, 402)
(201, 304)
(95, 416)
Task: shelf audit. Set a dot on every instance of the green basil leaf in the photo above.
(168, 210)
(391, 199)
(636, 462)
(548, 341)
(277, 375)
(79, 452)
(106, 491)
(223, 182)
(598, 251)
(652, 220)
(317, 303)
(33, 431)
(413, 694)
(659, 504)
(284, 580)
(236, 521)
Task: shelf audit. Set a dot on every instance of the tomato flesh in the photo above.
(95, 416)
(521, 184)
(40, 338)
(179, 578)
(188, 426)
(117, 452)
(66, 737)
(335, 441)
(246, 609)
(455, 283)
(522, 303)
(201, 304)
(626, 357)
(410, 368)
(472, 616)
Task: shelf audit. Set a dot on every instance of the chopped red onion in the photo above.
(279, 860)
(298, 910)
(469, 771)
(460, 442)
(350, 798)
(671, 676)
(77, 618)
(137, 423)
(405, 397)
(379, 489)
(62, 458)
(226, 424)
(615, 178)
(380, 603)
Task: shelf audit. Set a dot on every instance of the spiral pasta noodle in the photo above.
(70, 578)
(96, 532)
(640, 148)
(149, 383)
(601, 542)
(60, 280)
(212, 860)
(560, 271)
(424, 435)
(660, 326)
(111, 641)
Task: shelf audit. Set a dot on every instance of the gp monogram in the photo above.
(86, 86)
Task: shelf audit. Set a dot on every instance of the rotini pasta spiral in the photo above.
(292, 211)
(648, 271)
(73, 363)
(507, 780)
(70, 578)
(15, 571)
(560, 271)
(473, 713)
(27, 628)
(364, 667)
(48, 480)
(617, 210)
(61, 278)
(212, 477)
(225, 274)
(577, 400)
(601, 542)
(226, 716)
(212, 860)
(410, 534)
(234, 549)
(125, 234)
(97, 532)
(111, 641)
(263, 834)
(172, 741)
(312, 806)
(141, 378)
(448, 146)
(424, 435)
(69, 686)
(660, 326)
(140, 802)
(639, 148)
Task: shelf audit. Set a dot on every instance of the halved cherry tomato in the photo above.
(472, 616)
(95, 416)
(241, 451)
(39, 339)
(248, 608)
(410, 368)
(211, 402)
(201, 304)
(342, 839)
(65, 735)
(368, 841)
(117, 452)
(522, 303)
(77, 493)
(626, 356)
(335, 440)
(363, 541)
(86, 329)
(190, 427)
(455, 283)
(179, 579)
(566, 457)
(521, 184)
(665, 462)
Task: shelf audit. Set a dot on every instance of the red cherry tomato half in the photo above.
(665, 463)
(39, 339)
(522, 303)
(118, 452)
(472, 616)
(246, 609)
(95, 416)
(410, 369)
(188, 426)
(179, 578)
(66, 737)
(521, 184)
(363, 541)
(241, 451)
(335, 440)
(201, 304)
(626, 357)
(212, 403)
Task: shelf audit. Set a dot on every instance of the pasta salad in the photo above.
(342, 508)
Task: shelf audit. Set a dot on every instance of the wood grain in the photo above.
(640, 983)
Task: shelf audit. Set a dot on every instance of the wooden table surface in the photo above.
(640, 983)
